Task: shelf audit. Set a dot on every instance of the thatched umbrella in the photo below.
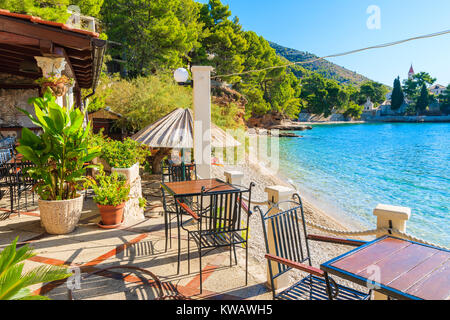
(175, 131)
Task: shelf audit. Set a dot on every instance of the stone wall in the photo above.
(10, 99)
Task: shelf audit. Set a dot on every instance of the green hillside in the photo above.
(326, 68)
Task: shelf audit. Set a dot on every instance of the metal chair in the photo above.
(175, 173)
(291, 251)
(220, 223)
(178, 172)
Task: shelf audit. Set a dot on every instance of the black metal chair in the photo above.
(220, 223)
(175, 173)
(178, 172)
(14, 181)
(291, 251)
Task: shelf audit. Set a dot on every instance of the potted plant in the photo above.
(111, 194)
(57, 84)
(59, 155)
(124, 157)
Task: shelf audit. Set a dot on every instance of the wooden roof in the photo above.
(22, 37)
(104, 114)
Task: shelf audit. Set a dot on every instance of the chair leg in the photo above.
(246, 263)
(200, 264)
(235, 255)
(179, 244)
(166, 230)
(189, 254)
(231, 255)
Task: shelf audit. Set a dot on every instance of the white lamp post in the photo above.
(181, 75)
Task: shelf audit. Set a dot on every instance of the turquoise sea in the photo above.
(353, 167)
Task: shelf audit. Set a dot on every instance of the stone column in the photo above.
(390, 217)
(202, 119)
(52, 65)
(276, 194)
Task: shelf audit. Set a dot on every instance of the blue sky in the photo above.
(334, 26)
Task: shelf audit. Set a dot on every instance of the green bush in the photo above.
(110, 190)
(123, 154)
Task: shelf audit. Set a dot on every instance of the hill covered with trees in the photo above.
(325, 68)
(148, 40)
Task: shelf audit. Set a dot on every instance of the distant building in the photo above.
(437, 89)
(369, 106)
(411, 73)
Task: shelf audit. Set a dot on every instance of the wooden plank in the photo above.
(349, 242)
(370, 255)
(12, 38)
(434, 287)
(195, 186)
(419, 272)
(19, 73)
(63, 38)
(400, 263)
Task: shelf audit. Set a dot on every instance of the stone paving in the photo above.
(140, 244)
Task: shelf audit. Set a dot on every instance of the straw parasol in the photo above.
(175, 131)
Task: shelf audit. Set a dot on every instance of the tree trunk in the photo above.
(157, 158)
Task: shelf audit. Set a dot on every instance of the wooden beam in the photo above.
(41, 32)
(46, 47)
(19, 73)
(79, 55)
(12, 38)
(10, 56)
(31, 52)
(18, 86)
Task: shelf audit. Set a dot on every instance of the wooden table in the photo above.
(184, 189)
(194, 187)
(398, 268)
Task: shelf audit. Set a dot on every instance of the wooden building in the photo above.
(30, 48)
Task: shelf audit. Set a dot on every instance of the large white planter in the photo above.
(130, 173)
(60, 216)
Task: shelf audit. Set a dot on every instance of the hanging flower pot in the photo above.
(57, 85)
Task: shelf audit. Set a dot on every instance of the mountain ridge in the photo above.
(324, 67)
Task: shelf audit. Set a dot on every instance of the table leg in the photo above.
(329, 291)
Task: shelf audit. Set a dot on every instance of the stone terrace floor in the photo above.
(140, 244)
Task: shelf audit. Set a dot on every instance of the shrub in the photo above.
(110, 190)
(123, 154)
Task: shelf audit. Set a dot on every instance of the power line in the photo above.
(390, 44)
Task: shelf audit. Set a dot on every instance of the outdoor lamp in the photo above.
(181, 76)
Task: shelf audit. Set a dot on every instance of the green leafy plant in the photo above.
(111, 190)
(14, 282)
(123, 154)
(60, 152)
(54, 79)
(142, 203)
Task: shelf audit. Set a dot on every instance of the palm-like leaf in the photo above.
(14, 283)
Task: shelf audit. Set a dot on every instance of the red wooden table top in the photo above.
(403, 267)
(194, 187)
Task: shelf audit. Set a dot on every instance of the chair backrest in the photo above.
(175, 173)
(221, 211)
(288, 231)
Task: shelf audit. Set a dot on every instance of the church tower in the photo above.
(411, 72)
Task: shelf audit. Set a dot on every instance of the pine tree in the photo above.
(423, 100)
(398, 97)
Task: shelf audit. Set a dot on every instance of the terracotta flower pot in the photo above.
(111, 215)
(58, 89)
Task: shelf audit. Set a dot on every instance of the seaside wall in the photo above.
(408, 118)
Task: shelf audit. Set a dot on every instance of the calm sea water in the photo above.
(353, 167)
